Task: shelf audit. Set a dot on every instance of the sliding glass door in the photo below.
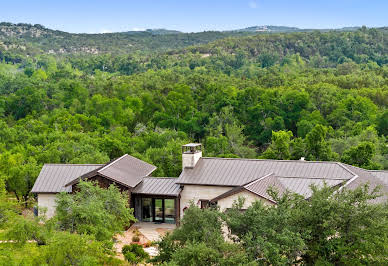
(147, 210)
(155, 210)
(159, 210)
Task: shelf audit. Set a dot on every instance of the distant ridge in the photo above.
(284, 29)
(22, 39)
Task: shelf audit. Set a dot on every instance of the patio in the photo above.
(148, 232)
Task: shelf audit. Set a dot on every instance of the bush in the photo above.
(134, 253)
(130, 257)
(135, 239)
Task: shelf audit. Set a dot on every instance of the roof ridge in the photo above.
(309, 177)
(347, 169)
(257, 180)
(160, 177)
(75, 164)
(112, 162)
(349, 181)
(273, 160)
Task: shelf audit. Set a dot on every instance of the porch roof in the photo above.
(165, 186)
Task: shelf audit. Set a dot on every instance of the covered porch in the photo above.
(156, 200)
(156, 209)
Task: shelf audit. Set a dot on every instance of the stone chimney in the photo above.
(190, 154)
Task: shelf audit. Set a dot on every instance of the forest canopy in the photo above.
(318, 95)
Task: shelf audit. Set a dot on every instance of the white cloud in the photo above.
(137, 29)
(252, 4)
(105, 31)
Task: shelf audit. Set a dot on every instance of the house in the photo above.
(204, 181)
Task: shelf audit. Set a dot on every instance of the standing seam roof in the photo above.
(53, 177)
(236, 172)
(166, 186)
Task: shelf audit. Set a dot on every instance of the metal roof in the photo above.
(300, 186)
(126, 170)
(381, 175)
(237, 172)
(364, 176)
(53, 177)
(166, 186)
(261, 185)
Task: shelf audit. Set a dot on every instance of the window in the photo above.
(204, 203)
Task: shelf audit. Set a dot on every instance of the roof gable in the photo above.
(126, 170)
(54, 177)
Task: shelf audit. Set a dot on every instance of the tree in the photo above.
(344, 227)
(199, 241)
(279, 149)
(316, 146)
(94, 211)
(382, 124)
(21, 172)
(268, 233)
(361, 155)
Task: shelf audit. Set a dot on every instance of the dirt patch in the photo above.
(126, 239)
(163, 231)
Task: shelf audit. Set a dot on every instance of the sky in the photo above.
(86, 16)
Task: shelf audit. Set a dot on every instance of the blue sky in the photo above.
(196, 15)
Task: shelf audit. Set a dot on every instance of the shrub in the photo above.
(134, 253)
(135, 239)
(130, 257)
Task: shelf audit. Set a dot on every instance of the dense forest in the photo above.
(318, 95)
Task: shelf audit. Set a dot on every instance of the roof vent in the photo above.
(301, 159)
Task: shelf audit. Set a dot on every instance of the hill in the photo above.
(285, 29)
(27, 39)
(30, 40)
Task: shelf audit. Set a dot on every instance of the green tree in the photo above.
(316, 146)
(20, 172)
(382, 124)
(199, 241)
(361, 155)
(94, 211)
(344, 227)
(279, 148)
(268, 232)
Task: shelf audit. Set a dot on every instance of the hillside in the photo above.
(30, 40)
(27, 39)
(318, 95)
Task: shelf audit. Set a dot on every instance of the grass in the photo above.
(14, 254)
(2, 235)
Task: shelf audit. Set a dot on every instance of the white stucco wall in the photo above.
(197, 192)
(227, 202)
(47, 201)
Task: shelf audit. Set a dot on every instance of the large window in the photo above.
(169, 211)
(155, 210)
(147, 210)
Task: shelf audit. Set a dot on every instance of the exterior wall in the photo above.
(190, 159)
(227, 202)
(198, 192)
(47, 201)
